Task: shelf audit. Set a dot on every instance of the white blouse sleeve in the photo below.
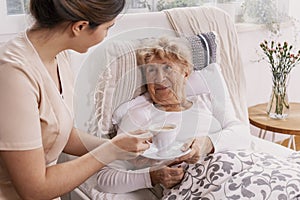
(117, 179)
(126, 176)
(234, 134)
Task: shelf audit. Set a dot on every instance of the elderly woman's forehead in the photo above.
(162, 58)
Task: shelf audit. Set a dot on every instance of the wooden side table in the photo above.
(290, 125)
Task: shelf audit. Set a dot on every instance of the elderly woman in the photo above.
(166, 64)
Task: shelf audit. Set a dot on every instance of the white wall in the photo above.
(258, 74)
(294, 8)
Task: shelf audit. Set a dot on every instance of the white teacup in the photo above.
(163, 136)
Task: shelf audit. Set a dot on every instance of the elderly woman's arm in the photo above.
(233, 136)
(121, 177)
(234, 133)
(117, 178)
(226, 132)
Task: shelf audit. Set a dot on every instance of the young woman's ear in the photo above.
(79, 26)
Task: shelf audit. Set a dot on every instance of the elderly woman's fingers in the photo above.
(161, 164)
(205, 145)
(167, 176)
(201, 147)
(187, 157)
(174, 162)
(174, 177)
(198, 148)
(193, 159)
(187, 144)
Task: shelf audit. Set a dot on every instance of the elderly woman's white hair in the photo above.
(175, 49)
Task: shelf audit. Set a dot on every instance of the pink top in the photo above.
(33, 113)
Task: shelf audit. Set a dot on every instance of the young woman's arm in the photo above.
(34, 180)
(21, 145)
(80, 143)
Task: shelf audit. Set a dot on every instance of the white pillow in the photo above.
(196, 84)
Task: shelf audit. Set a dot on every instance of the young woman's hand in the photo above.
(135, 142)
(124, 146)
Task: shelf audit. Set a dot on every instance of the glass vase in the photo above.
(278, 106)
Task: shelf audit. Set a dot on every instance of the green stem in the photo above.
(278, 102)
(278, 96)
(271, 104)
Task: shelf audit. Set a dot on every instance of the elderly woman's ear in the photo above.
(186, 74)
(187, 71)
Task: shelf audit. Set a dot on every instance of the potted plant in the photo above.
(282, 60)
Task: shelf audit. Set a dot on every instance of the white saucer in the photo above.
(173, 153)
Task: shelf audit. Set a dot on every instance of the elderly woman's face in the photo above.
(166, 81)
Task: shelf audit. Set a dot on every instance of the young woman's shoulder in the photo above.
(19, 66)
(16, 50)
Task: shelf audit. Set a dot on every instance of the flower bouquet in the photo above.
(282, 61)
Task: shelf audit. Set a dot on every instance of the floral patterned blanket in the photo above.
(240, 175)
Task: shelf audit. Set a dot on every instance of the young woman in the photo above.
(36, 119)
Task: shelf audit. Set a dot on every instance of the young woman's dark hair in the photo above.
(50, 13)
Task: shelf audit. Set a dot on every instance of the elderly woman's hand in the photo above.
(166, 175)
(199, 146)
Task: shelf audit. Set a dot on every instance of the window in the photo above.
(158, 5)
(14, 20)
(16, 7)
(12, 16)
(260, 11)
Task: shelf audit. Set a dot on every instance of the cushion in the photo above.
(204, 49)
(196, 84)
